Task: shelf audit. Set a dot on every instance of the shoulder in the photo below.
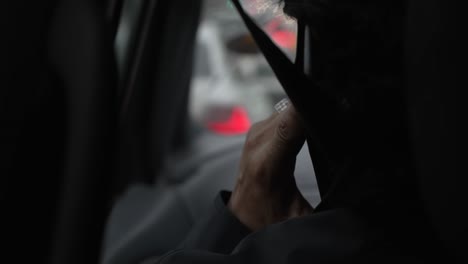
(335, 236)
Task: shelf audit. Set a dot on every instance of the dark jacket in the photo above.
(336, 236)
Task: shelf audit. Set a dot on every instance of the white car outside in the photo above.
(225, 79)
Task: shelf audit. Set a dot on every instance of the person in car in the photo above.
(265, 194)
(266, 220)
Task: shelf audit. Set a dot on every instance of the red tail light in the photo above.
(237, 123)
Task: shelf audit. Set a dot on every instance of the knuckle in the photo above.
(282, 132)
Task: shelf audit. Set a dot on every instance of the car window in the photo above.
(233, 85)
(202, 65)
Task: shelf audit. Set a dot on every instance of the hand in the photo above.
(266, 190)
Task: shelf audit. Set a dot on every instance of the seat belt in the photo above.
(328, 110)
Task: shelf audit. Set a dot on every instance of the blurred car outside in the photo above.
(225, 81)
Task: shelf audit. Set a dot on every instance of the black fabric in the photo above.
(31, 132)
(81, 53)
(58, 121)
(436, 58)
(228, 229)
(334, 236)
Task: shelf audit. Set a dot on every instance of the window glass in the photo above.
(233, 85)
(202, 66)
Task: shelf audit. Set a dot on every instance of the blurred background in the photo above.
(232, 85)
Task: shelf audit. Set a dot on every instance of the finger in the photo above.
(300, 207)
(288, 135)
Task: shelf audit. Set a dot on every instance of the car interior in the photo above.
(122, 120)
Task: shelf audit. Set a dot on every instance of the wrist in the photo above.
(245, 211)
